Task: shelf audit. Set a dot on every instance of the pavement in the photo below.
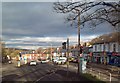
(106, 67)
(114, 70)
(104, 72)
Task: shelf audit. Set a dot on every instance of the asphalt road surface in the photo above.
(26, 73)
(40, 72)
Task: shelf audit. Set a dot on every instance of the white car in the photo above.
(55, 60)
(62, 60)
(9, 61)
(33, 63)
(44, 61)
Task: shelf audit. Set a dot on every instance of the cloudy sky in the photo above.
(36, 24)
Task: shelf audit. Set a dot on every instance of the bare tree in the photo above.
(93, 13)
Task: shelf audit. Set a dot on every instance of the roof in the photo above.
(106, 38)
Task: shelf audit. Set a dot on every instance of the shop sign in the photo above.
(109, 53)
(115, 54)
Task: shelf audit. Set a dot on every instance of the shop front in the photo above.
(104, 58)
(96, 57)
(101, 57)
(109, 54)
(114, 59)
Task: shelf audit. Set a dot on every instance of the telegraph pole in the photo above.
(79, 60)
(67, 55)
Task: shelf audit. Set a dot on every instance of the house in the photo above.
(107, 50)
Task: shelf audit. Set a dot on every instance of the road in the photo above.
(42, 72)
(26, 73)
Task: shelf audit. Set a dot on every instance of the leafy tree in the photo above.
(15, 53)
(92, 13)
(8, 51)
(3, 49)
(39, 50)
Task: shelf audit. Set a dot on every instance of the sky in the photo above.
(30, 25)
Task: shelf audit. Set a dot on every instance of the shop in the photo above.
(100, 57)
(109, 54)
(96, 58)
(104, 58)
(114, 59)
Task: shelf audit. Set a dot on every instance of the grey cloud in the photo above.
(31, 19)
(98, 30)
(25, 19)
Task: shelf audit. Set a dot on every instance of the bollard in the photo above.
(110, 77)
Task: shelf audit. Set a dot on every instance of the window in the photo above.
(103, 47)
(95, 48)
(114, 47)
(100, 47)
(109, 47)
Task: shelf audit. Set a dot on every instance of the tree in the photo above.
(8, 51)
(39, 50)
(15, 53)
(93, 13)
(3, 53)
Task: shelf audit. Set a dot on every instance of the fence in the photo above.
(105, 75)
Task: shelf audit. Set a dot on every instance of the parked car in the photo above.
(75, 60)
(71, 59)
(10, 61)
(33, 62)
(44, 61)
(55, 60)
(61, 60)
